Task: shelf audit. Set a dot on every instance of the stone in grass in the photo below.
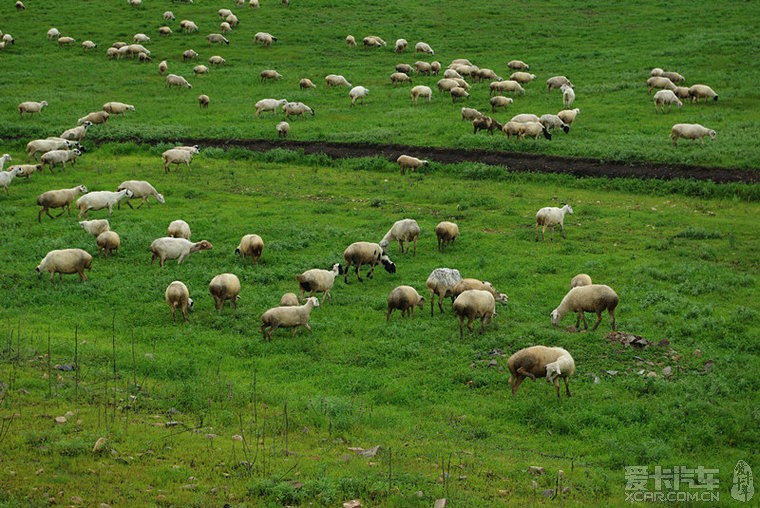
(537, 470)
(667, 372)
(354, 503)
(441, 503)
(60, 420)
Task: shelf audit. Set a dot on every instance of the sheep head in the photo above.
(555, 317)
(389, 265)
(552, 371)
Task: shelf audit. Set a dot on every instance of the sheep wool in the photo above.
(223, 287)
(178, 296)
(442, 282)
(404, 230)
(593, 298)
(404, 298)
(287, 317)
(65, 261)
(473, 304)
(531, 362)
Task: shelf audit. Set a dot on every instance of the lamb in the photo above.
(470, 114)
(518, 65)
(470, 284)
(88, 45)
(61, 198)
(175, 248)
(581, 279)
(552, 122)
(533, 362)
(6, 177)
(568, 95)
(96, 226)
(203, 101)
(442, 282)
(178, 229)
(163, 66)
(65, 261)
(401, 45)
(485, 123)
(446, 232)
(177, 156)
(108, 242)
(287, 317)
(317, 280)
(499, 101)
(77, 133)
(178, 296)
(697, 92)
(54, 157)
(26, 170)
(95, 117)
(458, 92)
(550, 216)
(373, 41)
(268, 74)
(659, 82)
(117, 108)
(356, 93)
(269, 105)
(296, 109)
(264, 38)
(472, 304)
(522, 77)
(404, 230)
(306, 83)
(140, 189)
(101, 199)
(351, 41)
(360, 253)
(404, 298)
(408, 162)
(556, 82)
(423, 68)
(282, 128)
(289, 300)
(200, 69)
(568, 115)
(690, 131)
(223, 287)
(505, 86)
(594, 298)
(663, 97)
(216, 60)
(336, 80)
(400, 77)
(189, 54)
(30, 107)
(250, 245)
(423, 47)
(563, 367)
(421, 91)
(175, 80)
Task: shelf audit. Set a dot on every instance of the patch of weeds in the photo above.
(697, 233)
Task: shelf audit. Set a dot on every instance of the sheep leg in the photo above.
(174, 319)
(567, 387)
(562, 230)
(525, 373)
(371, 271)
(388, 314)
(612, 317)
(461, 327)
(469, 323)
(415, 247)
(582, 315)
(598, 320)
(556, 387)
(515, 382)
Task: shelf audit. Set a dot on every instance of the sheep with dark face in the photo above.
(366, 253)
(485, 123)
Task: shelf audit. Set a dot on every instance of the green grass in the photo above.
(684, 266)
(606, 48)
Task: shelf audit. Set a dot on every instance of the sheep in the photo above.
(467, 284)
(423, 47)
(360, 253)
(53, 33)
(164, 30)
(673, 76)
(656, 71)
(264, 38)
(530, 129)
(65, 261)
(421, 91)
(332, 80)
(200, 69)
(178, 229)
(518, 65)
(216, 60)
(144, 57)
(169, 16)
(697, 92)
(101, 199)
(282, 128)
(356, 93)
(472, 304)
(269, 105)
(134, 49)
(568, 115)
(535, 361)
(522, 77)
(525, 117)
(305, 83)
(435, 66)
(451, 74)
(404, 298)
(112, 53)
(470, 114)
(401, 45)
(176, 80)
(223, 13)
(117, 108)
(400, 77)
(88, 45)
(250, 245)
(253, 4)
(458, 92)
(682, 92)
(423, 68)
(175, 248)
(296, 109)
(6, 177)
(512, 129)
(225, 27)
(108, 242)
(95, 117)
(96, 226)
(177, 156)
(663, 97)
(373, 41)
(593, 298)
(317, 280)
(77, 133)
(188, 26)
(550, 216)
(20, 6)
(189, 54)
(446, 232)
(178, 296)
(26, 170)
(556, 82)
(140, 189)
(485, 123)
(232, 20)
(289, 300)
(508, 85)
(489, 74)
(54, 157)
(223, 287)
(203, 101)
(552, 122)
(65, 41)
(61, 198)
(268, 74)
(404, 230)
(351, 41)
(5, 158)
(441, 282)
(30, 107)
(581, 279)
(659, 82)
(287, 317)
(135, 3)
(461, 83)
(141, 39)
(408, 162)
(690, 131)
(568, 95)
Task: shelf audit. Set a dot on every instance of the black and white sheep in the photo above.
(366, 253)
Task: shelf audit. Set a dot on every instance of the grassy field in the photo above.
(169, 398)
(606, 48)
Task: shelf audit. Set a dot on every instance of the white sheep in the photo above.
(282, 128)
(581, 299)
(552, 122)
(690, 131)
(250, 245)
(140, 189)
(581, 279)
(179, 229)
(423, 68)
(551, 216)
(472, 304)
(296, 109)
(5, 158)
(95, 117)
(488, 74)
(405, 68)
(176, 80)
(165, 31)
(508, 85)
(163, 66)
(317, 280)
(556, 82)
(673, 76)
(108, 242)
(177, 156)
(697, 92)
(522, 77)
(568, 115)
(225, 27)
(435, 66)
(175, 248)
(188, 26)
(53, 33)
(404, 230)
(373, 41)
(499, 101)
(568, 95)
(95, 226)
(141, 38)
(264, 38)
(54, 157)
(356, 93)
(25, 170)
(30, 107)
(6, 177)
(253, 4)
(458, 92)
(232, 20)
(469, 284)
(203, 100)
(404, 298)
(223, 13)
(216, 60)
(451, 74)
(101, 199)
(269, 74)
(351, 41)
(470, 114)
(540, 361)
(306, 83)
(289, 300)
(423, 47)
(401, 45)
(88, 45)
(169, 16)
(42, 146)
(421, 91)
(178, 296)
(525, 117)
(65, 41)
(76, 133)
(189, 54)
(518, 65)
(269, 105)
(412, 163)
(65, 261)
(682, 92)
(400, 77)
(117, 108)
(223, 287)
(61, 198)
(442, 282)
(446, 232)
(287, 317)
(336, 80)
(659, 82)
(366, 253)
(200, 69)
(663, 97)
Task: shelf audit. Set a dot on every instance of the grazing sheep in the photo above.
(65, 41)
(178, 296)
(447, 84)
(250, 245)
(268, 74)
(177, 156)
(20, 6)
(550, 216)
(404, 298)
(663, 97)
(435, 66)
(593, 298)
(525, 117)
(140, 189)
(216, 60)
(65, 261)
(269, 105)
(682, 92)
(356, 93)
(556, 82)
(42, 146)
(144, 57)
(673, 76)
(141, 39)
(659, 82)
(401, 45)
(552, 122)
(112, 53)
(405, 68)
(404, 230)
(178, 229)
(203, 101)
(498, 87)
(176, 80)
(485, 123)
(458, 92)
(470, 114)
(451, 74)
(88, 45)
(467, 284)
(518, 65)
(373, 41)
(200, 69)
(175, 248)
(77, 133)
(61, 198)
(223, 13)
(446, 232)
(332, 80)
(523, 129)
(533, 362)
(232, 20)
(400, 77)
(282, 128)
(296, 109)
(25, 170)
(306, 83)
(488, 74)
(188, 26)
(108, 242)
(53, 33)
(697, 92)
(6, 177)
(95, 118)
(101, 199)
(287, 317)
(225, 27)
(189, 54)
(361, 253)
(253, 4)
(581, 279)
(568, 95)
(690, 131)
(522, 77)
(289, 300)
(351, 41)
(165, 31)
(499, 101)
(117, 108)
(30, 107)
(442, 282)
(563, 367)
(264, 38)
(54, 157)
(423, 47)
(568, 115)
(223, 287)
(317, 280)
(472, 304)
(421, 91)
(423, 68)
(408, 162)
(169, 16)
(96, 226)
